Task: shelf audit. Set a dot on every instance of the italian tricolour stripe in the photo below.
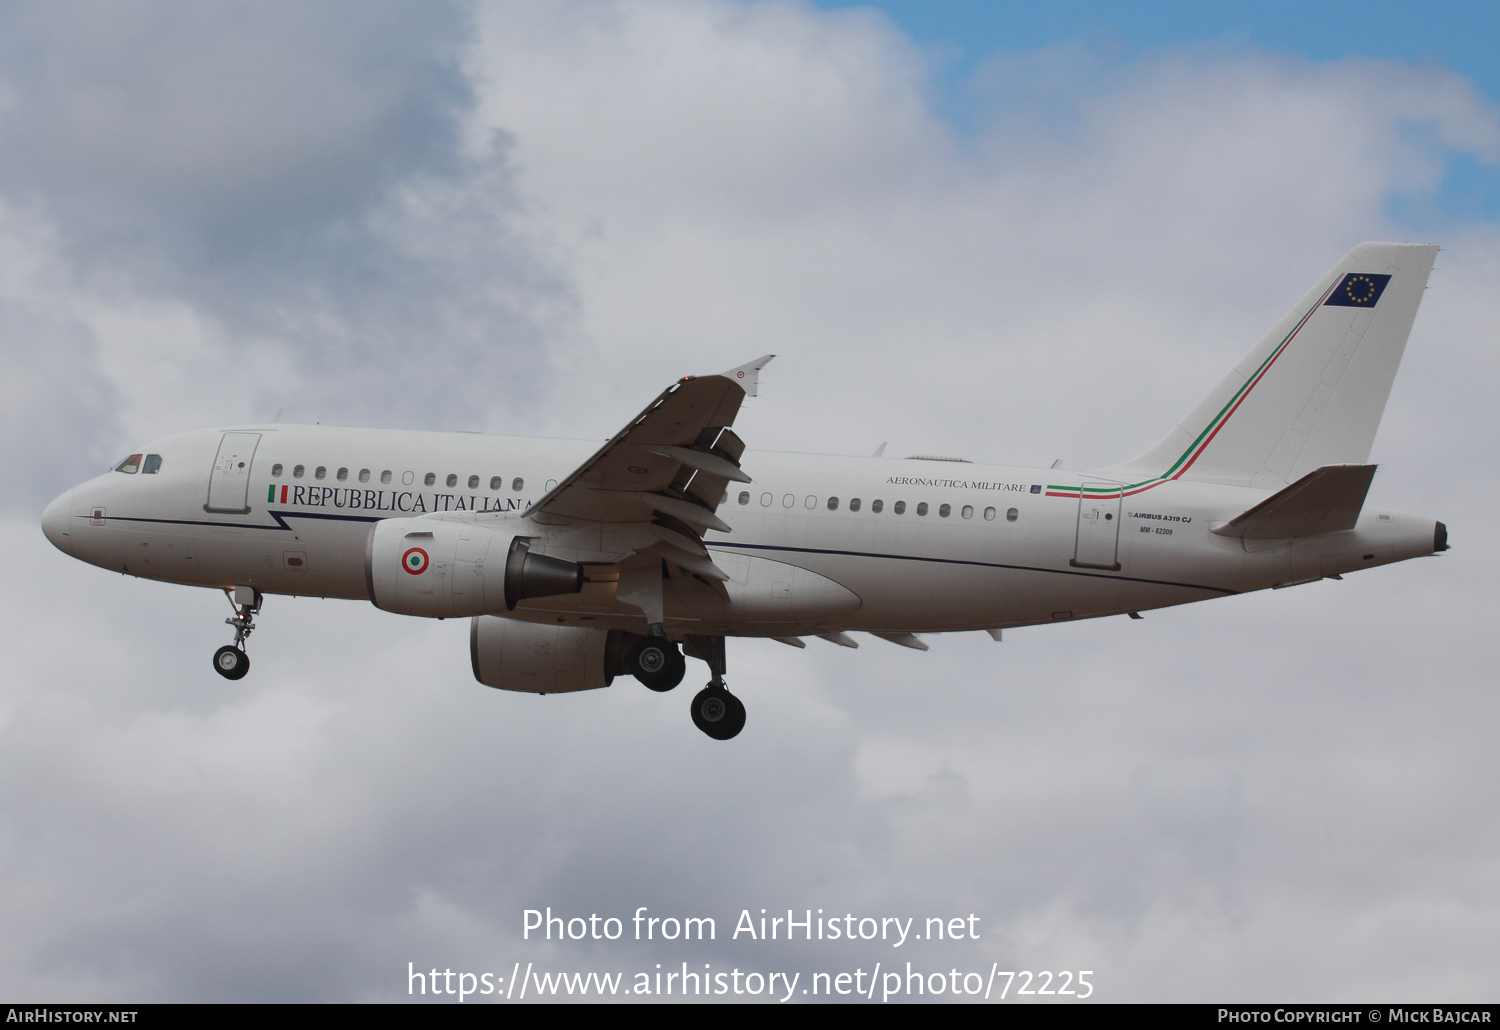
(1196, 448)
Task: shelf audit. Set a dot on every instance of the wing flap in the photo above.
(703, 461)
(1326, 500)
(700, 564)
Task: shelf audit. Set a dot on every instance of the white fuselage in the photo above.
(912, 546)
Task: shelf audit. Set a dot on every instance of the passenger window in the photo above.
(945, 511)
(473, 482)
(786, 502)
(385, 477)
(833, 504)
(922, 508)
(744, 496)
(130, 466)
(364, 475)
(343, 475)
(452, 479)
(877, 506)
(989, 514)
(496, 482)
(968, 511)
(900, 508)
(765, 500)
(297, 472)
(429, 479)
(1012, 515)
(275, 470)
(321, 472)
(517, 485)
(854, 504)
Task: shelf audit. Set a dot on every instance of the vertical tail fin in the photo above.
(1313, 391)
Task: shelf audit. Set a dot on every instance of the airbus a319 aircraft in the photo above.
(576, 563)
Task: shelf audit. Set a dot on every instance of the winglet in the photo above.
(748, 376)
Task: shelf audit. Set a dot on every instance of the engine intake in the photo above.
(444, 569)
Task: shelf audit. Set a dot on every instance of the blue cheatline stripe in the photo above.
(279, 516)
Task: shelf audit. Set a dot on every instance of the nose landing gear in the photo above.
(231, 661)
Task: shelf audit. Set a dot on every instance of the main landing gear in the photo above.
(715, 710)
(231, 661)
(656, 662)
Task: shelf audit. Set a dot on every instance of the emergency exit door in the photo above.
(229, 482)
(1098, 540)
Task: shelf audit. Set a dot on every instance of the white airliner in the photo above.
(577, 563)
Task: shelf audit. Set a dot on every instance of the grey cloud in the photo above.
(224, 131)
(285, 191)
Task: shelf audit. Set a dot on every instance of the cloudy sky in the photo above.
(1011, 237)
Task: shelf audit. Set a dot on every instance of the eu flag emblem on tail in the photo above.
(1358, 290)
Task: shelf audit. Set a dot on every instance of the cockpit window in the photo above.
(152, 466)
(130, 466)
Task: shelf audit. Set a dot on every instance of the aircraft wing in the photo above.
(671, 464)
(1323, 501)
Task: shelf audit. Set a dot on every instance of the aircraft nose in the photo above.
(55, 521)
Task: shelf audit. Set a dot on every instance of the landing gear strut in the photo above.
(231, 661)
(715, 711)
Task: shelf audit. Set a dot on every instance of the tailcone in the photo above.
(1439, 538)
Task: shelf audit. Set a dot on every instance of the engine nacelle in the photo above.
(541, 658)
(444, 569)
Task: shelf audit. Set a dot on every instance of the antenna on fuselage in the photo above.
(277, 417)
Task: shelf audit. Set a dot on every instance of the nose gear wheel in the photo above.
(231, 662)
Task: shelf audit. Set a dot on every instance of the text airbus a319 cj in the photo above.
(577, 564)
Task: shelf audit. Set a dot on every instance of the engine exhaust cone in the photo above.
(530, 575)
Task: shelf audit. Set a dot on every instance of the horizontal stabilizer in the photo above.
(1323, 501)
